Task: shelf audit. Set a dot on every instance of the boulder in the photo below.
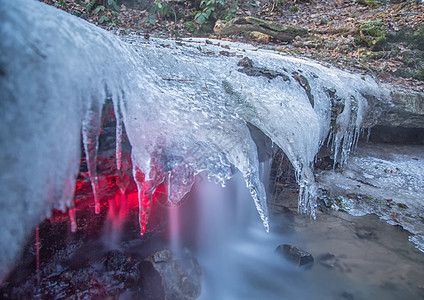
(296, 255)
(406, 109)
(171, 277)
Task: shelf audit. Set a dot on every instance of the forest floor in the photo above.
(380, 38)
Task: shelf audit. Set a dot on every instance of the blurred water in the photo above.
(238, 257)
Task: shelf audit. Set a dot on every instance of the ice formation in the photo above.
(385, 180)
(185, 106)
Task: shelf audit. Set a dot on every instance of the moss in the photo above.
(380, 43)
(77, 13)
(373, 35)
(206, 29)
(373, 29)
(404, 72)
(369, 3)
(418, 38)
(413, 39)
(189, 25)
(420, 73)
(255, 20)
(293, 9)
(277, 26)
(413, 58)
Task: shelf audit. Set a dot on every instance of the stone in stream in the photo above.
(171, 277)
(365, 233)
(296, 255)
(327, 259)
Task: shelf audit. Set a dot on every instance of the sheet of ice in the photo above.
(294, 102)
(386, 180)
(185, 106)
(56, 70)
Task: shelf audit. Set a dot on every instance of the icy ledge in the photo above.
(185, 107)
(382, 179)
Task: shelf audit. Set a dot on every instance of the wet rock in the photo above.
(305, 85)
(365, 233)
(345, 296)
(250, 70)
(327, 259)
(296, 255)
(171, 277)
(116, 261)
(122, 275)
(406, 109)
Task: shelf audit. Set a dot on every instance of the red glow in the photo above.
(73, 220)
(117, 193)
(144, 200)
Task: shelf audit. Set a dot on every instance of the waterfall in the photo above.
(186, 107)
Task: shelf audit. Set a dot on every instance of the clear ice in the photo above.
(185, 106)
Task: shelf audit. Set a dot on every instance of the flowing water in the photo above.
(355, 257)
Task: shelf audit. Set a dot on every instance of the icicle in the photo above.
(368, 134)
(307, 191)
(122, 182)
(190, 98)
(37, 250)
(357, 135)
(258, 194)
(180, 181)
(330, 139)
(144, 198)
(336, 149)
(90, 133)
(118, 146)
(73, 219)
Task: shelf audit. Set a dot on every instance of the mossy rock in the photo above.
(418, 38)
(373, 35)
(243, 25)
(413, 39)
(369, 3)
(413, 58)
(420, 73)
(373, 29)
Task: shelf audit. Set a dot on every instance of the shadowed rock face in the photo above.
(397, 135)
(175, 277)
(406, 109)
(399, 120)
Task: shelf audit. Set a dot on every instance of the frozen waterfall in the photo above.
(186, 107)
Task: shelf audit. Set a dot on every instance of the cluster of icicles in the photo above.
(193, 116)
(185, 105)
